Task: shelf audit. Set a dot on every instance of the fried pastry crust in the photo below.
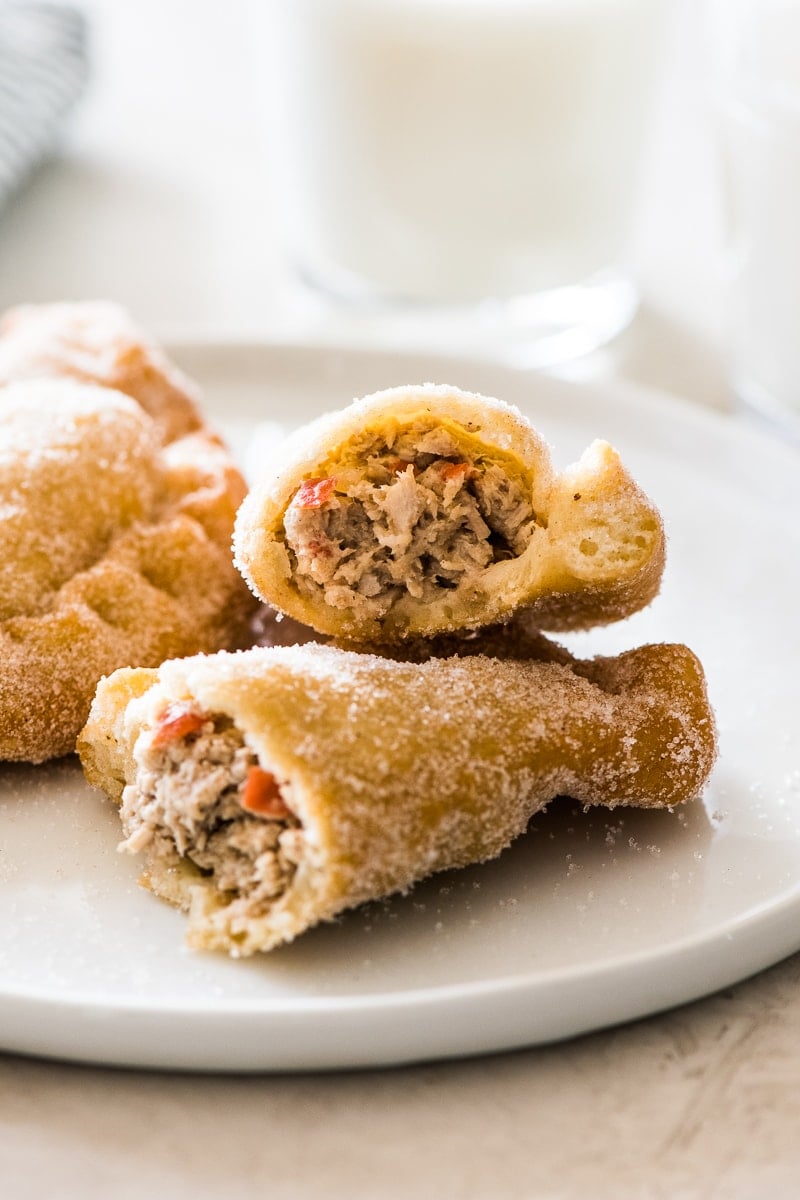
(114, 551)
(96, 342)
(270, 790)
(426, 510)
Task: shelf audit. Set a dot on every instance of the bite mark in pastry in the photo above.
(270, 790)
(425, 510)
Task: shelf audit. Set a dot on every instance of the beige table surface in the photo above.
(162, 199)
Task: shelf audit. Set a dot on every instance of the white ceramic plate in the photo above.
(588, 920)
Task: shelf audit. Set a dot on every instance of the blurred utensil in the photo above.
(43, 71)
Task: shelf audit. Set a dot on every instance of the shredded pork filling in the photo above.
(187, 801)
(415, 519)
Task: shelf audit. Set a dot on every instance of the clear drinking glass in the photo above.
(756, 48)
(472, 162)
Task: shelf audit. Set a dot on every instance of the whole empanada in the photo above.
(114, 551)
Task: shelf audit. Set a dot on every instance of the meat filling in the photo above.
(199, 794)
(414, 519)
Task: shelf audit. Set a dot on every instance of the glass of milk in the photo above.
(473, 162)
(756, 44)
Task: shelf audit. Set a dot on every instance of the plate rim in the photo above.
(746, 927)
(731, 423)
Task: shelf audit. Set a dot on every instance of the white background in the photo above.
(163, 197)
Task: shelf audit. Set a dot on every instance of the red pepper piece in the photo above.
(451, 470)
(261, 794)
(313, 493)
(177, 721)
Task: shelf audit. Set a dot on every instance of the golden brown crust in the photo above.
(476, 746)
(105, 744)
(96, 342)
(117, 514)
(114, 550)
(596, 553)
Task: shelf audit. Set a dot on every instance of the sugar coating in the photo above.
(96, 342)
(399, 769)
(115, 521)
(76, 464)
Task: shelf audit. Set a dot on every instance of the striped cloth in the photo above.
(43, 69)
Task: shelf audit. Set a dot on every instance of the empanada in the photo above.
(424, 510)
(96, 342)
(114, 551)
(272, 789)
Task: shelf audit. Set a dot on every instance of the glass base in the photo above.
(755, 401)
(539, 330)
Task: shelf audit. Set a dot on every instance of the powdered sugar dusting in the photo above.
(116, 513)
(401, 769)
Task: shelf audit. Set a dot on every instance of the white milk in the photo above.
(452, 150)
(759, 106)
